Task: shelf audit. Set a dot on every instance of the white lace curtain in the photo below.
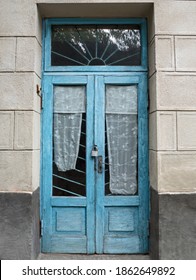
(121, 125)
(69, 104)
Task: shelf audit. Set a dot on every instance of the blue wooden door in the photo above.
(95, 164)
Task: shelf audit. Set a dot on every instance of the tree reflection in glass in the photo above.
(112, 45)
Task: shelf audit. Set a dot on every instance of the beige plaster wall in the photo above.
(20, 72)
(172, 86)
(172, 83)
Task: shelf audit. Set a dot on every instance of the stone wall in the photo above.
(20, 72)
(172, 115)
(172, 131)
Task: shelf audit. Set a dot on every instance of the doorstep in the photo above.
(91, 257)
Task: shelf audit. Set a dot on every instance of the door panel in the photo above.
(95, 204)
(68, 170)
(119, 191)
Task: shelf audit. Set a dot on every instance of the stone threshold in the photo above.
(91, 257)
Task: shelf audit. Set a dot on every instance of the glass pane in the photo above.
(121, 140)
(114, 45)
(69, 141)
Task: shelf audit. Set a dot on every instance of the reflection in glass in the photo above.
(121, 140)
(69, 141)
(113, 45)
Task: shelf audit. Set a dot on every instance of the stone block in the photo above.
(36, 131)
(166, 130)
(153, 166)
(151, 25)
(177, 226)
(38, 25)
(151, 58)
(153, 131)
(6, 130)
(154, 225)
(172, 213)
(164, 53)
(36, 170)
(7, 54)
(17, 18)
(176, 91)
(23, 138)
(27, 130)
(97, 8)
(162, 130)
(18, 91)
(177, 172)
(175, 17)
(28, 55)
(185, 53)
(36, 99)
(16, 171)
(19, 225)
(152, 93)
(186, 130)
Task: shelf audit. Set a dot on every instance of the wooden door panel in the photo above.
(67, 211)
(69, 220)
(122, 220)
(121, 245)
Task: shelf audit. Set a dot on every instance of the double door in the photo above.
(95, 164)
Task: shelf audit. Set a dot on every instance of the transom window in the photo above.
(96, 45)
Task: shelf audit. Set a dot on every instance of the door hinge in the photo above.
(41, 228)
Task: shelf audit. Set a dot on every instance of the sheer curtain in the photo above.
(69, 104)
(121, 125)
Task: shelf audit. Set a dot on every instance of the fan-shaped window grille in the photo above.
(86, 45)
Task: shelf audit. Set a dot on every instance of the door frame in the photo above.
(98, 81)
(48, 71)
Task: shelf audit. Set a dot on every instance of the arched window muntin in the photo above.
(51, 24)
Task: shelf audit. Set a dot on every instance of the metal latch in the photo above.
(38, 90)
(94, 152)
(100, 163)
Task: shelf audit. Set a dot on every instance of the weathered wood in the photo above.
(95, 223)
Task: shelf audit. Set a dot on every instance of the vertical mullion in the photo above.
(99, 140)
(90, 176)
